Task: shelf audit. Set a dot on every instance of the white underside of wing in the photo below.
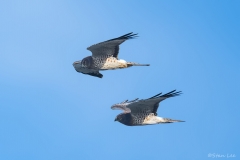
(122, 61)
(152, 119)
(113, 63)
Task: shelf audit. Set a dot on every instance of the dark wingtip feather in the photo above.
(172, 94)
(167, 95)
(127, 36)
(155, 96)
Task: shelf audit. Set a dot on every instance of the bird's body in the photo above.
(143, 112)
(141, 119)
(104, 57)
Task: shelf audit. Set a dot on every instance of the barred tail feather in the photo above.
(129, 64)
(168, 120)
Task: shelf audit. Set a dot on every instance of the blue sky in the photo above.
(49, 111)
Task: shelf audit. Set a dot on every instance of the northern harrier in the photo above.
(143, 112)
(105, 57)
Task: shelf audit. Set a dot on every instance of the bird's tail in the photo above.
(168, 120)
(129, 64)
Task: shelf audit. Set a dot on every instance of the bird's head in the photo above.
(85, 62)
(77, 63)
(119, 118)
(124, 118)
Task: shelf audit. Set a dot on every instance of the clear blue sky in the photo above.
(49, 111)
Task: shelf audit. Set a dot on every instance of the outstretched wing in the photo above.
(150, 105)
(110, 47)
(95, 74)
(121, 106)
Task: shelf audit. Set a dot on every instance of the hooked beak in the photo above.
(76, 62)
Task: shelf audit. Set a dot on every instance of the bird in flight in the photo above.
(143, 112)
(105, 57)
